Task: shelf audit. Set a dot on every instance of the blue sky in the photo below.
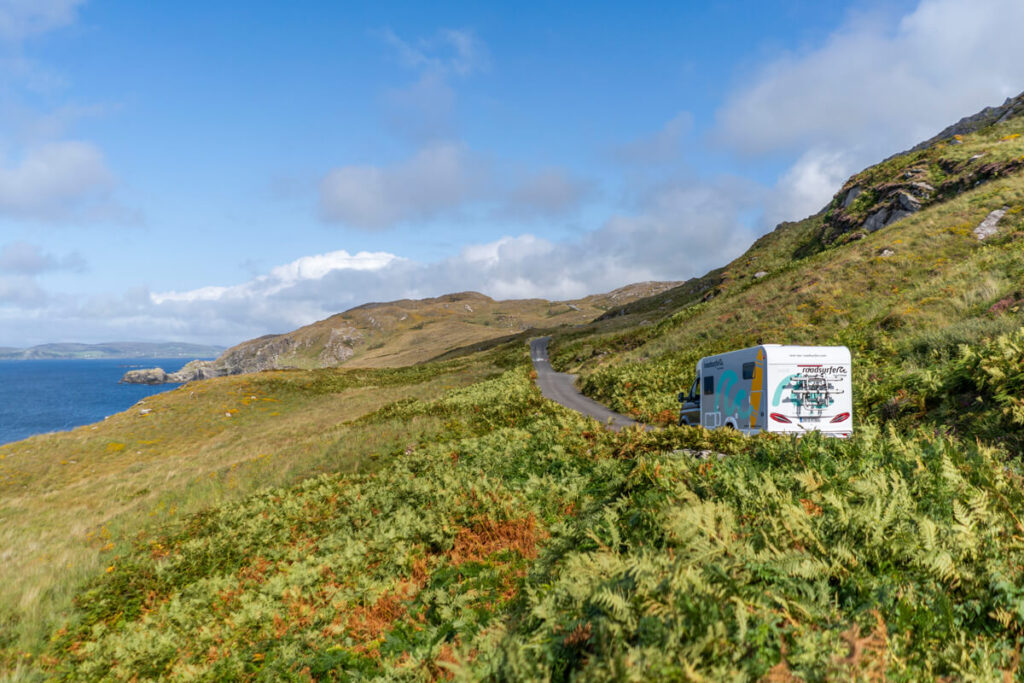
(212, 171)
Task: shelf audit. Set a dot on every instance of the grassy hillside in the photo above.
(70, 500)
(400, 333)
(905, 299)
(443, 520)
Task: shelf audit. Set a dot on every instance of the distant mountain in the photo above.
(398, 333)
(112, 350)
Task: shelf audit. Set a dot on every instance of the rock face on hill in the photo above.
(399, 333)
(957, 159)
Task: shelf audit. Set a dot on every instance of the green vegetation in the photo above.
(528, 544)
(941, 288)
(443, 520)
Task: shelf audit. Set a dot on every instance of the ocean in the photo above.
(39, 396)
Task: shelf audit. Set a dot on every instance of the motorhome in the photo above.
(773, 388)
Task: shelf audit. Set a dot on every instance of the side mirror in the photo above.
(682, 397)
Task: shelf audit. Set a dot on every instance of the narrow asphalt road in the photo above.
(559, 387)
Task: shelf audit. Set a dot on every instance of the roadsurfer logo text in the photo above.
(824, 370)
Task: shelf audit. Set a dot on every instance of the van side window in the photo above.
(748, 371)
(695, 389)
(709, 385)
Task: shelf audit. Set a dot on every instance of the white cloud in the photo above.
(22, 258)
(23, 18)
(547, 192)
(879, 87)
(679, 230)
(54, 180)
(284, 276)
(872, 88)
(21, 291)
(438, 177)
(808, 185)
(315, 267)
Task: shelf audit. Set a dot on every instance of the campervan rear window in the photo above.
(748, 371)
(709, 385)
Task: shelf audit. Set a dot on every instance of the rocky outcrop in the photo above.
(927, 174)
(257, 355)
(340, 345)
(990, 225)
(149, 376)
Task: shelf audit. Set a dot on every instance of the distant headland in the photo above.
(111, 350)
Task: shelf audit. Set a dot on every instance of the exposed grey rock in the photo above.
(922, 189)
(149, 376)
(876, 221)
(857, 236)
(851, 195)
(760, 274)
(339, 346)
(897, 215)
(908, 203)
(573, 307)
(976, 157)
(990, 225)
(954, 141)
(886, 253)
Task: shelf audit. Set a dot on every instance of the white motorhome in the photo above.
(773, 388)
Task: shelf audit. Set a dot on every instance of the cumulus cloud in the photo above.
(23, 18)
(53, 180)
(547, 192)
(21, 291)
(874, 87)
(438, 177)
(808, 185)
(22, 258)
(665, 145)
(285, 276)
(679, 230)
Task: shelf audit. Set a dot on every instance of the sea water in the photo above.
(38, 396)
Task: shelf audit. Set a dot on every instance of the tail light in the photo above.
(779, 417)
(841, 417)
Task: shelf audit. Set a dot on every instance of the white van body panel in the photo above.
(777, 388)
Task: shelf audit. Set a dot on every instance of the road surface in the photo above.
(559, 387)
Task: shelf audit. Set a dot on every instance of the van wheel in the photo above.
(683, 422)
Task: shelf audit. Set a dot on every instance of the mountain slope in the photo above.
(398, 333)
(464, 526)
(902, 295)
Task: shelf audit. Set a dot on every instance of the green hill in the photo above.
(443, 520)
